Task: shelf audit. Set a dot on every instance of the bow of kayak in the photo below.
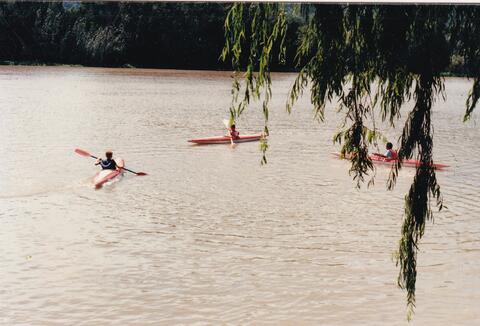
(106, 175)
(383, 160)
(226, 139)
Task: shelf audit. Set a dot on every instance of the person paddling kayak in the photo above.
(389, 154)
(233, 133)
(109, 163)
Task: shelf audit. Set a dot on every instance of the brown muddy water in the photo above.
(211, 237)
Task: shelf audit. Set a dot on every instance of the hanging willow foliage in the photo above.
(369, 58)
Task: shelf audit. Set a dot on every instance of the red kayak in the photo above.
(383, 160)
(107, 175)
(226, 139)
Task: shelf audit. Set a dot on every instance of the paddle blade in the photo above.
(81, 152)
(141, 174)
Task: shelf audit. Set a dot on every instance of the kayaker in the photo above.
(109, 163)
(233, 132)
(390, 153)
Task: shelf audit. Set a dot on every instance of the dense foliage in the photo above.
(140, 34)
(368, 58)
(112, 34)
(157, 35)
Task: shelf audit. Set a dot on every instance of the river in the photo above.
(210, 236)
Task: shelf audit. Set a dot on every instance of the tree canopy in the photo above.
(140, 34)
(371, 58)
(115, 34)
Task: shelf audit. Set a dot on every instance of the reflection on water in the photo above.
(210, 236)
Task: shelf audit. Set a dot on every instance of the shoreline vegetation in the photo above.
(181, 36)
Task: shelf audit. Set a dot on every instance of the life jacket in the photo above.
(393, 154)
(108, 164)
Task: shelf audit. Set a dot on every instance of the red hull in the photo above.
(225, 139)
(382, 160)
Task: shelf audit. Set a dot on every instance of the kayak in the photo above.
(226, 139)
(107, 175)
(383, 160)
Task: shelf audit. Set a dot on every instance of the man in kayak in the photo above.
(109, 163)
(390, 154)
(233, 133)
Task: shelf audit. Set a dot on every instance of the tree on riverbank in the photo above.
(140, 34)
(162, 35)
(115, 34)
(370, 58)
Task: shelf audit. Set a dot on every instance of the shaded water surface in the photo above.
(210, 236)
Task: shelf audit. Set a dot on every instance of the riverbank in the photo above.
(129, 66)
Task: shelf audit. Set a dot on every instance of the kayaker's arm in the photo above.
(233, 134)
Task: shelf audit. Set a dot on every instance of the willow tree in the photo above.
(369, 58)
